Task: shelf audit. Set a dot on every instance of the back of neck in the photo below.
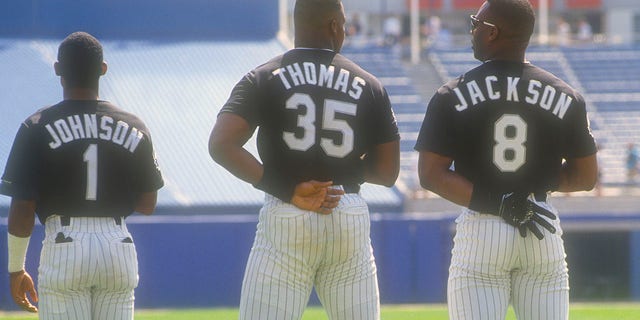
(80, 94)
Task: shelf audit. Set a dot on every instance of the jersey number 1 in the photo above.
(90, 156)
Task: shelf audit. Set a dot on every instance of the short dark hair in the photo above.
(311, 12)
(80, 60)
(517, 14)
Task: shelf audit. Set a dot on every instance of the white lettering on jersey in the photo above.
(493, 95)
(544, 96)
(475, 93)
(310, 73)
(296, 74)
(91, 126)
(547, 97)
(342, 81)
(78, 127)
(562, 105)
(322, 76)
(56, 140)
(356, 87)
(105, 126)
(326, 76)
(120, 132)
(280, 72)
(534, 86)
(512, 89)
(462, 105)
(63, 130)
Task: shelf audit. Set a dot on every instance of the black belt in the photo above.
(351, 188)
(65, 221)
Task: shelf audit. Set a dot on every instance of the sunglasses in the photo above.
(475, 22)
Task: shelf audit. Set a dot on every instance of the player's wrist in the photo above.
(360, 170)
(276, 185)
(17, 273)
(17, 249)
(484, 201)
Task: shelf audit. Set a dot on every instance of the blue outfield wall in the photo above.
(141, 19)
(199, 261)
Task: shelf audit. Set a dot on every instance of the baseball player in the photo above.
(325, 127)
(513, 132)
(82, 165)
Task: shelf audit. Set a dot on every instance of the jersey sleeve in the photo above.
(580, 141)
(20, 176)
(149, 176)
(243, 100)
(436, 134)
(386, 126)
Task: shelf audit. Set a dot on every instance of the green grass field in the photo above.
(579, 311)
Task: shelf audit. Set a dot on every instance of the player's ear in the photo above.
(495, 32)
(334, 25)
(56, 67)
(104, 68)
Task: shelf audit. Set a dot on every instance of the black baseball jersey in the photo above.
(508, 126)
(318, 113)
(81, 158)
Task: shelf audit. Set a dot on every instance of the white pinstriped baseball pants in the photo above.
(492, 266)
(295, 250)
(93, 276)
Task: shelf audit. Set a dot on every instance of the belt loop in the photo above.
(351, 188)
(540, 196)
(65, 221)
(118, 220)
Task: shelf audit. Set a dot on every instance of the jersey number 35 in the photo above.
(329, 122)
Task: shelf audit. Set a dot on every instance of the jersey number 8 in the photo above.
(510, 134)
(329, 122)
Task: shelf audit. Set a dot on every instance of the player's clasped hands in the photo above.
(21, 284)
(317, 196)
(519, 211)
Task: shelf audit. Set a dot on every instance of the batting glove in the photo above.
(518, 210)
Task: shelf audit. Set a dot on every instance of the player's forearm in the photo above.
(571, 182)
(449, 185)
(21, 217)
(237, 161)
(435, 175)
(382, 165)
(578, 174)
(146, 203)
(226, 147)
(21, 221)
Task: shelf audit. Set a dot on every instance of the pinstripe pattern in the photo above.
(492, 266)
(295, 250)
(92, 277)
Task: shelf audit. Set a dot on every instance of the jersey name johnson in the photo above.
(92, 126)
(538, 94)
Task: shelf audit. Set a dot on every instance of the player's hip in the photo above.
(350, 203)
(56, 223)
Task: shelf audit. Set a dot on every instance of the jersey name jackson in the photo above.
(320, 75)
(537, 94)
(91, 126)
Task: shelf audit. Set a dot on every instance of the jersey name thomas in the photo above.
(91, 126)
(546, 97)
(322, 76)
